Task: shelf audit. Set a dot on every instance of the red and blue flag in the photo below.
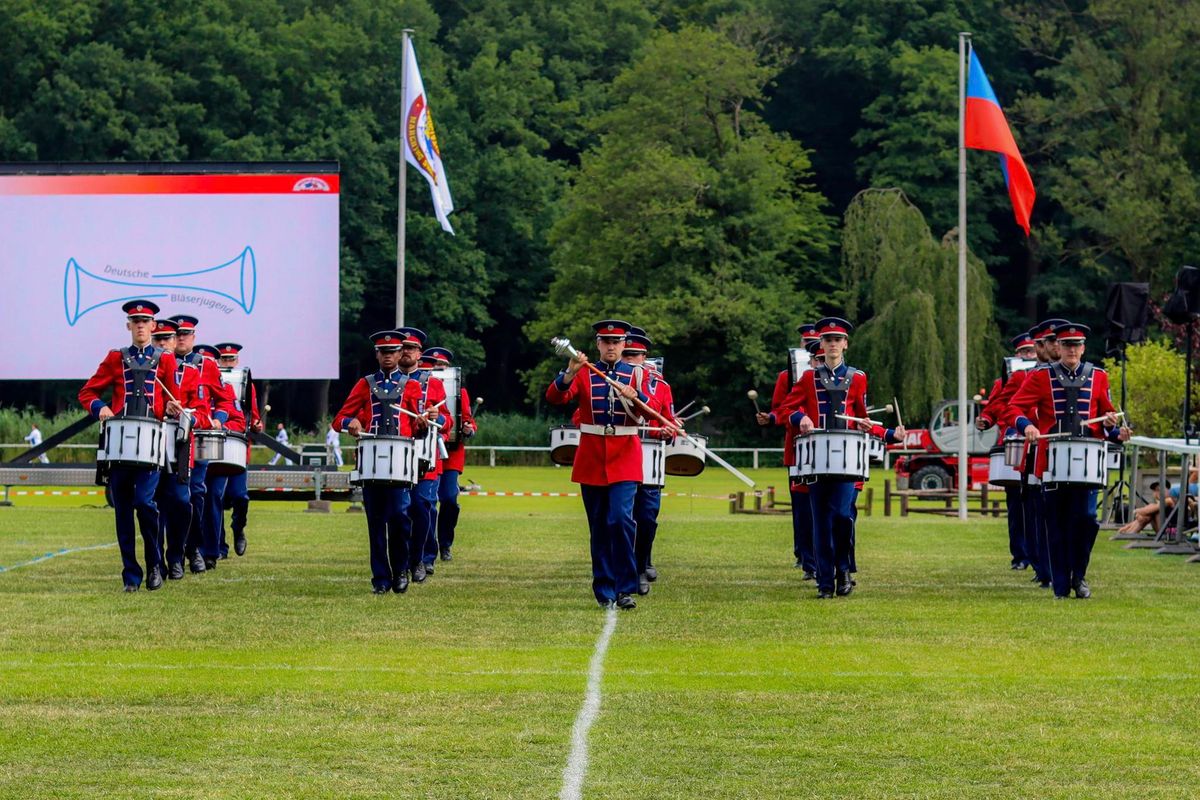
(986, 128)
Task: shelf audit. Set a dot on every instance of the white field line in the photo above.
(576, 769)
(56, 554)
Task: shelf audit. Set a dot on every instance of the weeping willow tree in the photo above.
(903, 291)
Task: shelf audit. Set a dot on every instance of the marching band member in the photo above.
(209, 390)
(432, 396)
(447, 512)
(136, 376)
(608, 463)
(237, 494)
(1059, 399)
(369, 407)
(648, 499)
(802, 539)
(213, 526)
(994, 410)
(822, 393)
(1033, 498)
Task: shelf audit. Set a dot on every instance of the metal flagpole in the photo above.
(964, 469)
(403, 205)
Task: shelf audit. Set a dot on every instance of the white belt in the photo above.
(611, 430)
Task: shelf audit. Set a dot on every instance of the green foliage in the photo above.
(905, 293)
(1155, 388)
(690, 217)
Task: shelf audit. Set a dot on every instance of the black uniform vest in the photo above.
(139, 383)
(835, 391)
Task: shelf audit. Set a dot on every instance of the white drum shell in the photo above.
(233, 461)
(1076, 462)
(834, 455)
(564, 441)
(386, 460)
(451, 378)
(684, 458)
(210, 445)
(132, 442)
(237, 377)
(876, 449)
(999, 472)
(654, 454)
(170, 431)
(428, 450)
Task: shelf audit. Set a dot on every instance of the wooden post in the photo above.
(904, 505)
(733, 504)
(870, 499)
(887, 498)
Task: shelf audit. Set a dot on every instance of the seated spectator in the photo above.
(1149, 513)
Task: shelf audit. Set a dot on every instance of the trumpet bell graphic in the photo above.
(84, 291)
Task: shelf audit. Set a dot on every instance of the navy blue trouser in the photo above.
(1070, 532)
(646, 504)
(423, 542)
(237, 499)
(1016, 525)
(613, 531)
(388, 530)
(1035, 532)
(447, 511)
(214, 516)
(833, 528)
(174, 515)
(199, 494)
(802, 530)
(133, 493)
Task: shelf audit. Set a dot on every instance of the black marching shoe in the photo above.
(626, 602)
(1082, 590)
(379, 590)
(799, 564)
(418, 573)
(844, 585)
(446, 555)
(824, 594)
(643, 584)
(401, 584)
(809, 575)
(1015, 565)
(131, 587)
(154, 579)
(651, 573)
(607, 604)
(239, 543)
(429, 569)
(197, 563)
(175, 573)
(210, 563)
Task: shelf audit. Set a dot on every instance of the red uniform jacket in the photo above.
(458, 451)
(809, 399)
(602, 460)
(1041, 401)
(362, 406)
(111, 375)
(662, 400)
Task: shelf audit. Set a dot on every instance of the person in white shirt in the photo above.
(333, 441)
(35, 438)
(281, 437)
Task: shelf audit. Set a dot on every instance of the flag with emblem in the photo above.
(419, 139)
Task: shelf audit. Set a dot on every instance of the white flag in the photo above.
(420, 141)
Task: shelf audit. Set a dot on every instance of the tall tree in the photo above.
(691, 217)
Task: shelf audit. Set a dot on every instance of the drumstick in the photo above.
(563, 346)
(849, 418)
(753, 395)
(685, 408)
(896, 403)
(1094, 420)
(415, 415)
(171, 397)
(704, 410)
(881, 410)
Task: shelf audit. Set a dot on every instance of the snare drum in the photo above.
(1076, 462)
(876, 449)
(233, 460)
(1116, 454)
(999, 471)
(177, 442)
(683, 457)
(427, 448)
(564, 441)
(388, 460)
(654, 452)
(132, 442)
(1014, 452)
(834, 455)
(210, 445)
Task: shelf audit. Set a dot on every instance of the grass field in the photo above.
(281, 675)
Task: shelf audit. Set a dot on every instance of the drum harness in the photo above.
(389, 424)
(835, 390)
(140, 388)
